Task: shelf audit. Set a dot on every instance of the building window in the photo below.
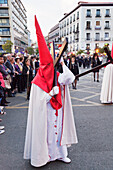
(64, 32)
(70, 30)
(98, 27)
(4, 21)
(107, 36)
(78, 15)
(70, 20)
(87, 46)
(88, 13)
(64, 23)
(97, 36)
(70, 39)
(73, 17)
(73, 28)
(98, 13)
(107, 25)
(88, 25)
(87, 36)
(3, 1)
(67, 31)
(77, 28)
(96, 45)
(107, 13)
(4, 12)
(4, 31)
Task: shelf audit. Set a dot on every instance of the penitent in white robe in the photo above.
(48, 135)
(107, 85)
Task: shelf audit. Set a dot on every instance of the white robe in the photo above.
(41, 139)
(107, 85)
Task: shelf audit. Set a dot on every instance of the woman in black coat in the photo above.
(95, 62)
(28, 76)
(74, 69)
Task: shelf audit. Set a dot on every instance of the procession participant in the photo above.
(74, 69)
(50, 124)
(95, 62)
(107, 84)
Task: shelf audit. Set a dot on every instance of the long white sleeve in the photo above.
(67, 77)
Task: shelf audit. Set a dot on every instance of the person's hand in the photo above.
(61, 61)
(54, 91)
(27, 72)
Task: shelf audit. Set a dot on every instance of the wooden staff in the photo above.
(98, 67)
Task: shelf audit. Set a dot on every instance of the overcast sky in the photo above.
(49, 12)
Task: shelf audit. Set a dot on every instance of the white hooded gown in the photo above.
(107, 85)
(47, 134)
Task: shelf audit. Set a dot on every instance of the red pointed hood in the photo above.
(112, 51)
(45, 76)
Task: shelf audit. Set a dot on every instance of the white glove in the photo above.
(54, 91)
(61, 60)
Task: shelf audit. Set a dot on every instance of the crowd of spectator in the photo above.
(85, 62)
(16, 74)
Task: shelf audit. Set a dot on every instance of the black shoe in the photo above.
(7, 102)
(4, 105)
(20, 92)
(94, 79)
(97, 80)
(12, 95)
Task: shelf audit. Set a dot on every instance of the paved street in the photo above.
(94, 123)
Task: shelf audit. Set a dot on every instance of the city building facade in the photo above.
(88, 26)
(54, 33)
(13, 24)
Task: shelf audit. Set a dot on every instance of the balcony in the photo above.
(2, 42)
(107, 28)
(97, 28)
(71, 22)
(77, 39)
(107, 16)
(4, 6)
(5, 34)
(97, 39)
(107, 39)
(88, 16)
(88, 39)
(4, 25)
(4, 15)
(88, 28)
(98, 16)
(77, 31)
